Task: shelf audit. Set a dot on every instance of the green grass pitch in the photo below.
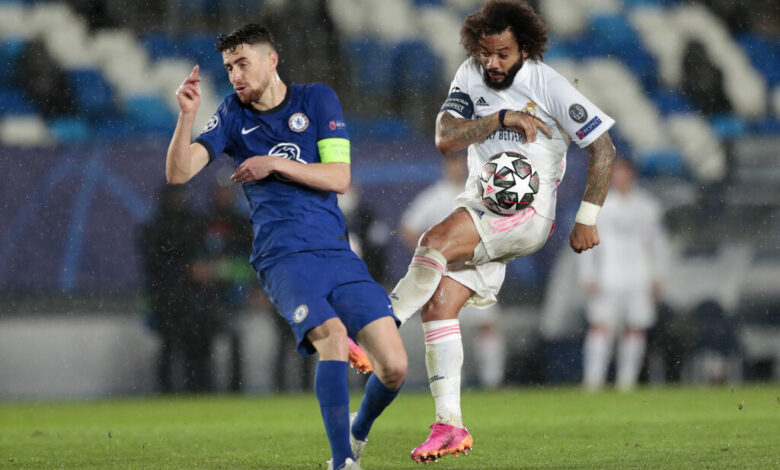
(525, 428)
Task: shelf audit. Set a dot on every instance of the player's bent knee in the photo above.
(393, 372)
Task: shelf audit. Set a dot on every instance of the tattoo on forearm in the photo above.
(602, 155)
(466, 131)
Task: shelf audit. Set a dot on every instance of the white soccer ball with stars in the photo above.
(508, 183)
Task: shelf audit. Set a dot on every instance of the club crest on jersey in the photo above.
(287, 150)
(213, 122)
(530, 108)
(298, 122)
(300, 313)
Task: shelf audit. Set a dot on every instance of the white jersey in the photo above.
(633, 249)
(537, 90)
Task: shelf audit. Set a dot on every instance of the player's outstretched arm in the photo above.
(332, 176)
(453, 133)
(184, 159)
(584, 234)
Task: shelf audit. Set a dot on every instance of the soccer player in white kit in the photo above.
(429, 207)
(502, 95)
(622, 279)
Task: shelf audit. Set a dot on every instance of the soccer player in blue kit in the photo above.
(291, 150)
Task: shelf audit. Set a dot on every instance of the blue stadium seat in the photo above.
(764, 55)
(614, 35)
(159, 45)
(671, 101)
(67, 129)
(371, 64)
(728, 126)
(770, 125)
(92, 92)
(428, 3)
(10, 50)
(669, 163)
(415, 67)
(14, 101)
(385, 128)
(200, 49)
(150, 114)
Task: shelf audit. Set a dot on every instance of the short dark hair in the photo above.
(249, 34)
(495, 17)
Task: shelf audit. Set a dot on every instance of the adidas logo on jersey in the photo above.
(481, 102)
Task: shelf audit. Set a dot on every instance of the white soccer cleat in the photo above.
(358, 446)
(349, 464)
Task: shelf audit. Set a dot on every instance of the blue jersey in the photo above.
(287, 217)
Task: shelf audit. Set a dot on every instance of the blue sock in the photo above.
(330, 386)
(375, 400)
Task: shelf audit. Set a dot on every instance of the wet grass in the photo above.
(526, 428)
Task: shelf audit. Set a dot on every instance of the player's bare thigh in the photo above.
(330, 340)
(455, 237)
(446, 302)
(385, 351)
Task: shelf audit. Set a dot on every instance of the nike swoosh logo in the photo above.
(247, 131)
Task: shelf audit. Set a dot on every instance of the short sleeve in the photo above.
(328, 114)
(458, 101)
(215, 134)
(582, 120)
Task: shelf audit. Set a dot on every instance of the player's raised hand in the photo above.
(583, 237)
(188, 93)
(526, 124)
(254, 168)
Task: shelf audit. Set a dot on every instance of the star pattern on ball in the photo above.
(491, 190)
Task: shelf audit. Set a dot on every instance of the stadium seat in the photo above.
(92, 92)
(149, 114)
(728, 126)
(372, 65)
(415, 67)
(10, 50)
(669, 101)
(15, 102)
(662, 163)
(764, 55)
(159, 45)
(24, 131)
(70, 130)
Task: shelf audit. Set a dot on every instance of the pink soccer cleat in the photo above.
(443, 440)
(358, 358)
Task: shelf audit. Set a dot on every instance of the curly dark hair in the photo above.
(495, 17)
(248, 34)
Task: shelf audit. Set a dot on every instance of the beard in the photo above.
(253, 95)
(509, 76)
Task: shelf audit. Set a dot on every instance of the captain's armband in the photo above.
(334, 150)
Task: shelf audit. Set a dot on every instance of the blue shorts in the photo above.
(311, 287)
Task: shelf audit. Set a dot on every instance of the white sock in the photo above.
(629, 359)
(419, 284)
(491, 358)
(444, 360)
(596, 354)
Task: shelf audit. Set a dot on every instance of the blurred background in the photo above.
(113, 284)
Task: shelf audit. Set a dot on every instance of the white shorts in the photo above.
(502, 239)
(618, 310)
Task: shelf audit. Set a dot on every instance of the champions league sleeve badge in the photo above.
(213, 122)
(298, 122)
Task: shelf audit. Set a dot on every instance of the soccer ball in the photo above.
(508, 183)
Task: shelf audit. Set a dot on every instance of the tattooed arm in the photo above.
(602, 155)
(453, 134)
